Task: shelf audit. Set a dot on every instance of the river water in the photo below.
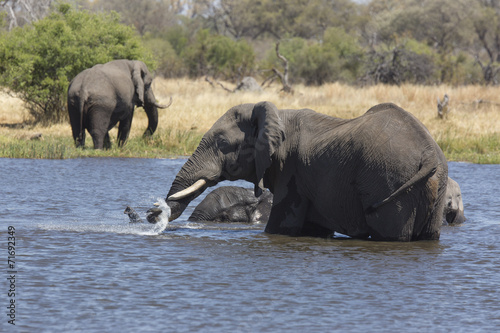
(81, 267)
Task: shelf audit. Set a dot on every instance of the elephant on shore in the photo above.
(453, 212)
(101, 96)
(378, 176)
(233, 204)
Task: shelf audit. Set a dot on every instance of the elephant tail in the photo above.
(428, 168)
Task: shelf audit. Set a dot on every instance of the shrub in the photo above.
(409, 61)
(38, 61)
(338, 57)
(317, 65)
(168, 63)
(219, 56)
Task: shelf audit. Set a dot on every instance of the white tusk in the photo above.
(188, 191)
(163, 106)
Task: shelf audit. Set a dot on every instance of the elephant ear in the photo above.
(270, 135)
(137, 78)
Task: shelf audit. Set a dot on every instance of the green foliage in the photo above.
(407, 61)
(219, 56)
(37, 62)
(169, 64)
(337, 58)
(459, 69)
(317, 64)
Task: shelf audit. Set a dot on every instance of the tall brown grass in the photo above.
(471, 131)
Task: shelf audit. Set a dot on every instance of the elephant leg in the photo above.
(436, 191)
(405, 219)
(77, 128)
(100, 138)
(107, 141)
(98, 126)
(289, 211)
(80, 139)
(124, 130)
(392, 222)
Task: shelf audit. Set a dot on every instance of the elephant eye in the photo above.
(223, 145)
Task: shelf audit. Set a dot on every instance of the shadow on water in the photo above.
(348, 246)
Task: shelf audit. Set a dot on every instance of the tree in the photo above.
(441, 24)
(146, 15)
(21, 12)
(338, 57)
(486, 24)
(403, 62)
(38, 61)
(219, 56)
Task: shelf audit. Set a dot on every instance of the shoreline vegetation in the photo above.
(470, 132)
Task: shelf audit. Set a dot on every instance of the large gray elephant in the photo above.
(380, 175)
(453, 212)
(233, 204)
(101, 96)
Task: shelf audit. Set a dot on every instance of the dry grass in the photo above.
(470, 128)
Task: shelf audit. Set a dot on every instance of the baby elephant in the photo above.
(233, 204)
(453, 212)
(225, 204)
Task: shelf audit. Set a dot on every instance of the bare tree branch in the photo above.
(220, 84)
(442, 106)
(21, 12)
(283, 76)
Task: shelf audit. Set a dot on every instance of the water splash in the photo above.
(143, 229)
(162, 224)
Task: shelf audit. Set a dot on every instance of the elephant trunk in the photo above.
(152, 113)
(151, 107)
(454, 216)
(203, 169)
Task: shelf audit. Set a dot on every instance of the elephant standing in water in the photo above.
(102, 96)
(453, 212)
(380, 175)
(233, 204)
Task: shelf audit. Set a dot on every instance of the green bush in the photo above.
(460, 69)
(408, 61)
(219, 56)
(290, 49)
(317, 65)
(168, 63)
(338, 57)
(38, 61)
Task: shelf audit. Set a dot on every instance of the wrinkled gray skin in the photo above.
(380, 175)
(233, 204)
(453, 212)
(102, 96)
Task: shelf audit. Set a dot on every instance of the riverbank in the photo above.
(470, 132)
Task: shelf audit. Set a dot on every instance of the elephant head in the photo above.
(240, 145)
(454, 208)
(144, 95)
